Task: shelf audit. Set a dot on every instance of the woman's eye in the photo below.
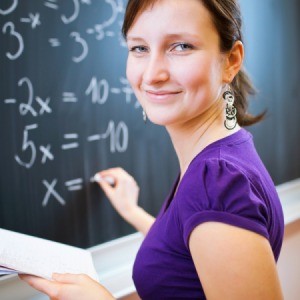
(182, 47)
(138, 49)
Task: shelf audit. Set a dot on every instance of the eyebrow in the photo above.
(168, 36)
(134, 39)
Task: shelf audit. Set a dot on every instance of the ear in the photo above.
(233, 62)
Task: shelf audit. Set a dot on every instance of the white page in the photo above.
(40, 257)
(6, 271)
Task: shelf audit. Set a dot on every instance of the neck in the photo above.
(191, 138)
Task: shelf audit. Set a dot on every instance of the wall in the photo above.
(272, 40)
(289, 262)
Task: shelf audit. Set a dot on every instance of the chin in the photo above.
(161, 120)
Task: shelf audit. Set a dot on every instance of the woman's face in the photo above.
(174, 64)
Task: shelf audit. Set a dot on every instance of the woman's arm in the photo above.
(124, 198)
(234, 263)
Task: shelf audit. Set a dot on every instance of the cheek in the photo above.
(201, 76)
(133, 73)
(194, 75)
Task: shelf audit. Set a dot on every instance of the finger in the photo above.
(111, 171)
(29, 278)
(107, 176)
(67, 277)
(107, 188)
(43, 285)
(114, 172)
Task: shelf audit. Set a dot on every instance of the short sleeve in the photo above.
(219, 191)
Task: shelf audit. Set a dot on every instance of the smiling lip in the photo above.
(159, 96)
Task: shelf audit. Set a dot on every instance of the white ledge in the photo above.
(289, 194)
(114, 260)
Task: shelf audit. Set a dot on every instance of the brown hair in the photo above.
(226, 16)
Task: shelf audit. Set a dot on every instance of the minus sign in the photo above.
(90, 31)
(94, 138)
(10, 101)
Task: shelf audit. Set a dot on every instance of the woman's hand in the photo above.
(124, 194)
(68, 287)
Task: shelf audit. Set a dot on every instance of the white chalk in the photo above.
(97, 177)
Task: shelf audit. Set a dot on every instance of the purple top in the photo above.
(226, 182)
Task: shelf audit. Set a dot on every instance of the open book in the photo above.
(20, 253)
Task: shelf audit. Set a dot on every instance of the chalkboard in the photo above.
(271, 30)
(66, 112)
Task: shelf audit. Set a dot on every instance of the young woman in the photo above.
(219, 233)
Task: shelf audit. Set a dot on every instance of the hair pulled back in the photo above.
(226, 16)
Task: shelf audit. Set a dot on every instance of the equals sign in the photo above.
(51, 4)
(74, 185)
(70, 136)
(54, 42)
(69, 97)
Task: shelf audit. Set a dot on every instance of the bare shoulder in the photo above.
(234, 263)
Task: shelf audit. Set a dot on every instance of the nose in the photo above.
(156, 70)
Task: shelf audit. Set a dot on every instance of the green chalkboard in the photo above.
(66, 112)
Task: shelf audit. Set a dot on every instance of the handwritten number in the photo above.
(24, 108)
(74, 15)
(10, 9)
(99, 90)
(84, 46)
(121, 130)
(27, 145)
(11, 30)
(115, 137)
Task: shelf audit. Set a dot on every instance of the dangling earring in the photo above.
(230, 110)
(144, 117)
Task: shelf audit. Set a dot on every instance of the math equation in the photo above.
(63, 61)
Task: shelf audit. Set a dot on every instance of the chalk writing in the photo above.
(10, 101)
(52, 192)
(51, 4)
(69, 97)
(9, 28)
(119, 142)
(10, 9)
(25, 108)
(118, 136)
(54, 42)
(84, 46)
(74, 15)
(27, 145)
(99, 90)
(72, 145)
(43, 105)
(100, 29)
(127, 89)
(46, 153)
(33, 19)
(88, 2)
(74, 184)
